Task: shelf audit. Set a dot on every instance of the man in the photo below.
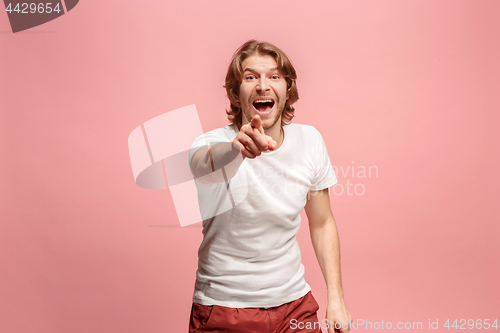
(250, 277)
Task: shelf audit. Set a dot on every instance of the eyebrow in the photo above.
(254, 71)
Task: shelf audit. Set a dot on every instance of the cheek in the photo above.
(242, 96)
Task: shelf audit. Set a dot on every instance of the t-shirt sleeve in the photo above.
(324, 175)
(213, 137)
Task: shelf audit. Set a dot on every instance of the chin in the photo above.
(269, 123)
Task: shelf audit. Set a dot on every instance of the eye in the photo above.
(275, 77)
(250, 77)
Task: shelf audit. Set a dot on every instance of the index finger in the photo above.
(255, 123)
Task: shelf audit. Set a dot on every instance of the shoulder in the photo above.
(228, 132)
(304, 132)
(222, 134)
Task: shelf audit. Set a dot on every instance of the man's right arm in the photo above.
(250, 142)
(221, 156)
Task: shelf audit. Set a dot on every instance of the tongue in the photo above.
(262, 107)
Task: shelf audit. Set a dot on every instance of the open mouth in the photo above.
(263, 105)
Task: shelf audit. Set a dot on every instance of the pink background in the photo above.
(408, 86)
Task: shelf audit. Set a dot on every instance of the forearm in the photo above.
(326, 245)
(217, 163)
(325, 240)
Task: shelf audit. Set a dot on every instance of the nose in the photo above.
(262, 84)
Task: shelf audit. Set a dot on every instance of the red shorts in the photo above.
(294, 317)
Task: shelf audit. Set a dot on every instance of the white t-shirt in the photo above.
(249, 256)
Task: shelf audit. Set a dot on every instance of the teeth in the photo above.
(264, 101)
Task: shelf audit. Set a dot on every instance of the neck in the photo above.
(276, 132)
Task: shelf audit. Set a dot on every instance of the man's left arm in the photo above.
(326, 245)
